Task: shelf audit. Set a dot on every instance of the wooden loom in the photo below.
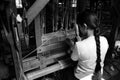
(49, 50)
(50, 47)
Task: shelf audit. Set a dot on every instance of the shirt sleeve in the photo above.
(74, 55)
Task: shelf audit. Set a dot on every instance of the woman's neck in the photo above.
(90, 33)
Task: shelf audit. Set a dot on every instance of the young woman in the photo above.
(90, 52)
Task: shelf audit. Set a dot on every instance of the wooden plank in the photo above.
(33, 63)
(39, 73)
(55, 56)
(48, 48)
(35, 9)
(38, 31)
(46, 61)
(28, 59)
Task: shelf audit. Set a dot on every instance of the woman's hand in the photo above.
(70, 43)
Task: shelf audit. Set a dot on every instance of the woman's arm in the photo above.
(74, 55)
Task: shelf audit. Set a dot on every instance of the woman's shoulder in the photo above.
(91, 40)
(84, 41)
(103, 38)
(104, 41)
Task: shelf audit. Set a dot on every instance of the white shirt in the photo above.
(85, 53)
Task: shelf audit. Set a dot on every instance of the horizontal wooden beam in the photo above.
(35, 9)
(31, 64)
(39, 73)
(34, 63)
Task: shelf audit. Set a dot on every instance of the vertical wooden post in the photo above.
(38, 31)
(38, 35)
(12, 39)
(56, 15)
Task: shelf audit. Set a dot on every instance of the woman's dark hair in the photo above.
(90, 19)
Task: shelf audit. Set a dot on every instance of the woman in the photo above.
(90, 52)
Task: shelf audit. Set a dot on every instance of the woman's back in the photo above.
(86, 50)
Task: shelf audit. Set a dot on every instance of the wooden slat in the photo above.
(38, 35)
(28, 59)
(33, 62)
(52, 59)
(38, 31)
(35, 9)
(39, 73)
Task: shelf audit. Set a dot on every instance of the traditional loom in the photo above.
(37, 38)
(52, 25)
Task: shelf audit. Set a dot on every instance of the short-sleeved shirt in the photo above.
(85, 52)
